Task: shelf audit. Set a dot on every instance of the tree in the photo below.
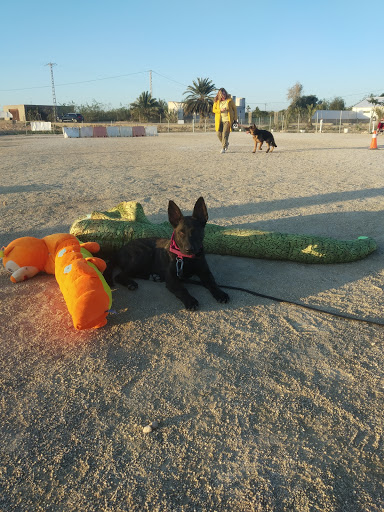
(162, 108)
(259, 116)
(171, 116)
(337, 104)
(145, 106)
(199, 98)
(294, 92)
(379, 111)
(93, 112)
(378, 105)
(311, 109)
(323, 105)
(303, 101)
(260, 113)
(120, 114)
(374, 101)
(304, 106)
(300, 105)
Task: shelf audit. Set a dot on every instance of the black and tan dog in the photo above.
(172, 260)
(260, 136)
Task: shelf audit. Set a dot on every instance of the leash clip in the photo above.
(179, 266)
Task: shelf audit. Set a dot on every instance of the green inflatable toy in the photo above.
(127, 221)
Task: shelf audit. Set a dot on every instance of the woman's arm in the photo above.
(216, 107)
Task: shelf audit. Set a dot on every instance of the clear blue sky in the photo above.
(105, 49)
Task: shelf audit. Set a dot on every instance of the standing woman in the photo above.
(225, 112)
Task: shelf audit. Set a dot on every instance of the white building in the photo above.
(174, 105)
(366, 108)
(177, 106)
(240, 107)
(5, 115)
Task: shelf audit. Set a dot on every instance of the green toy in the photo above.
(127, 221)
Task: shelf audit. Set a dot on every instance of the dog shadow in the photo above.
(152, 299)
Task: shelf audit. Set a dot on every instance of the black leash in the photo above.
(299, 304)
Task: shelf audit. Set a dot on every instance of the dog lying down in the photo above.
(169, 260)
(260, 136)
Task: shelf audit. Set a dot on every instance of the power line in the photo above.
(94, 80)
(74, 83)
(170, 79)
(155, 72)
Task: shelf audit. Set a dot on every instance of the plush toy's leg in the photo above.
(86, 293)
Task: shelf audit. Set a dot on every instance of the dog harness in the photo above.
(179, 256)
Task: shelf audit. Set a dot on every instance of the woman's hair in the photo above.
(220, 91)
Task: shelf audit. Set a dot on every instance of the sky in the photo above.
(103, 51)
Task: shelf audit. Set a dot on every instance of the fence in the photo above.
(279, 121)
(299, 123)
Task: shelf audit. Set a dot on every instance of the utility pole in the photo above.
(51, 64)
(150, 82)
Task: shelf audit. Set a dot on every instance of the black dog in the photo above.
(170, 260)
(260, 136)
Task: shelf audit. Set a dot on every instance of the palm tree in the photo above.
(171, 116)
(145, 106)
(199, 99)
(311, 109)
(162, 109)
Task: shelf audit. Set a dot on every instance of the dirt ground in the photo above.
(262, 405)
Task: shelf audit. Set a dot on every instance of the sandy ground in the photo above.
(262, 405)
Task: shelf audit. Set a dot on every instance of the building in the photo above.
(176, 106)
(6, 115)
(30, 112)
(240, 107)
(367, 108)
(337, 116)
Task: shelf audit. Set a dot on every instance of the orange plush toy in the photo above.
(78, 273)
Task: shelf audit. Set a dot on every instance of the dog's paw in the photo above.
(126, 281)
(191, 304)
(221, 297)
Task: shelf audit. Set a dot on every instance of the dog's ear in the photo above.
(200, 211)
(174, 214)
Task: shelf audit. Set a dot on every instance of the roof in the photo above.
(346, 115)
(367, 104)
